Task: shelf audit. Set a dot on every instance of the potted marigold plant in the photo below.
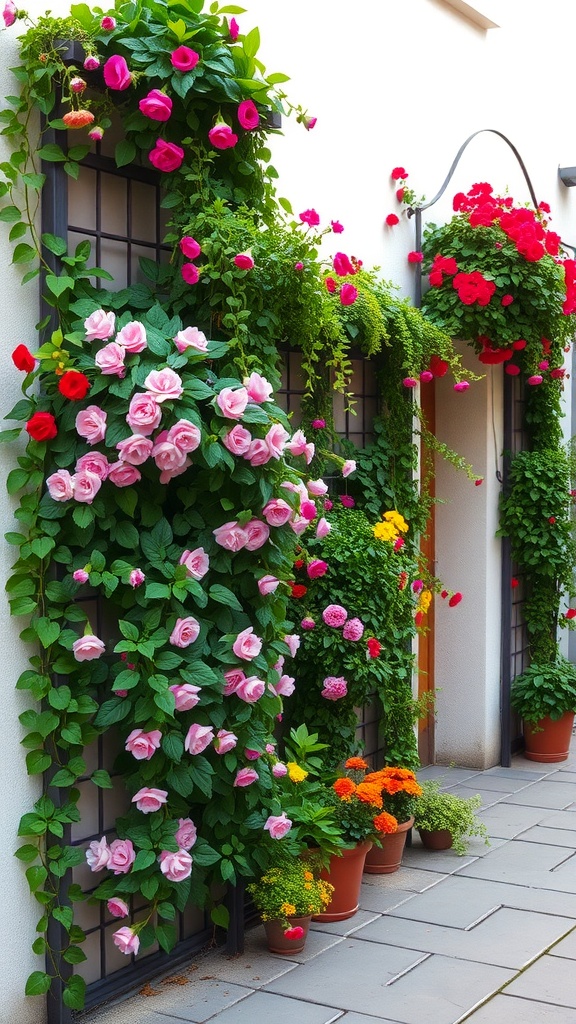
(399, 790)
(286, 896)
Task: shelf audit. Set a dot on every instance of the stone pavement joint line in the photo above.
(488, 938)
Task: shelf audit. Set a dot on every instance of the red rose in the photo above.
(392, 219)
(415, 257)
(299, 590)
(23, 359)
(398, 174)
(514, 583)
(42, 426)
(455, 599)
(73, 385)
(570, 614)
(438, 366)
(374, 647)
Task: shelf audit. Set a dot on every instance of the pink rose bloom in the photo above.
(308, 510)
(463, 385)
(316, 568)
(86, 486)
(257, 533)
(60, 485)
(198, 738)
(110, 360)
(310, 217)
(156, 105)
(410, 382)
(144, 414)
(122, 474)
(117, 907)
(293, 643)
(95, 463)
(534, 380)
(323, 528)
(342, 264)
(276, 439)
(231, 536)
(166, 455)
(245, 777)
(348, 467)
(353, 629)
(197, 563)
(122, 856)
(277, 512)
(184, 59)
(165, 385)
(190, 248)
(309, 452)
(175, 866)
(279, 666)
(298, 266)
(142, 745)
(99, 325)
(335, 687)
(308, 623)
(347, 500)
(248, 115)
(278, 825)
(417, 586)
(185, 435)
(108, 24)
(233, 677)
(186, 833)
(258, 388)
(299, 488)
(9, 13)
(268, 585)
(87, 648)
(232, 402)
(136, 578)
(221, 136)
(91, 63)
(247, 645)
(116, 73)
(297, 445)
(244, 261)
(258, 453)
(285, 686)
(336, 227)
(148, 800)
(185, 696)
(191, 337)
(168, 474)
(335, 615)
(299, 524)
(250, 690)
(317, 488)
(237, 440)
(91, 424)
(126, 940)
(98, 854)
(132, 337)
(135, 449)
(279, 770)
(80, 576)
(190, 273)
(185, 632)
(166, 156)
(348, 294)
(225, 741)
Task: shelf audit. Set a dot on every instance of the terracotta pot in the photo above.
(437, 839)
(277, 940)
(345, 874)
(547, 740)
(382, 860)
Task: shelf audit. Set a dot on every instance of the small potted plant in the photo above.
(446, 820)
(399, 790)
(286, 896)
(544, 696)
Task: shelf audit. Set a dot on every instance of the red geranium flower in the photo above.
(514, 583)
(398, 174)
(374, 647)
(455, 599)
(23, 358)
(570, 614)
(391, 220)
(74, 385)
(42, 426)
(299, 590)
(415, 257)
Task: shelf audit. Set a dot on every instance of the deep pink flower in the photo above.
(334, 688)
(410, 382)
(316, 568)
(461, 385)
(353, 629)
(116, 73)
(310, 217)
(398, 174)
(108, 24)
(166, 156)
(392, 219)
(184, 59)
(415, 257)
(190, 273)
(221, 136)
(348, 294)
(233, 29)
(156, 105)
(336, 226)
(455, 599)
(244, 261)
(334, 615)
(9, 13)
(248, 115)
(506, 300)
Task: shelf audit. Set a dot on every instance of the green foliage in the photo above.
(289, 889)
(545, 690)
(436, 810)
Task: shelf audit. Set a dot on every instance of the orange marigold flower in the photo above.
(356, 764)
(392, 786)
(78, 118)
(344, 788)
(413, 788)
(369, 794)
(385, 822)
(375, 777)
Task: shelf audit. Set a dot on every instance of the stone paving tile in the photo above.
(561, 819)
(567, 947)
(447, 776)
(488, 942)
(498, 783)
(197, 1004)
(550, 836)
(414, 880)
(505, 1009)
(265, 1006)
(506, 821)
(255, 968)
(447, 860)
(353, 975)
(379, 900)
(547, 793)
(346, 927)
(566, 775)
(513, 773)
(488, 796)
(515, 859)
(362, 1018)
(551, 979)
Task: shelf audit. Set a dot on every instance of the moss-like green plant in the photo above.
(437, 810)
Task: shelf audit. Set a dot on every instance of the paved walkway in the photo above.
(488, 938)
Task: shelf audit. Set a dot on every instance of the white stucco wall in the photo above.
(390, 84)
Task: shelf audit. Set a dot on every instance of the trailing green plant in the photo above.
(436, 810)
(545, 690)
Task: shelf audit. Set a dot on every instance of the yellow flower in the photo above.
(397, 520)
(308, 876)
(295, 772)
(425, 601)
(385, 531)
(289, 909)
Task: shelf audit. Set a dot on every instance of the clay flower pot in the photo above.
(279, 942)
(383, 860)
(548, 740)
(437, 839)
(345, 874)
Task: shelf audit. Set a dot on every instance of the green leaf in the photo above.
(220, 916)
(124, 152)
(74, 993)
(144, 859)
(37, 761)
(74, 955)
(37, 983)
(54, 244)
(36, 876)
(222, 595)
(27, 853)
(58, 285)
(112, 711)
(48, 631)
(10, 214)
(52, 153)
(16, 480)
(102, 779)
(166, 936)
(83, 516)
(127, 535)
